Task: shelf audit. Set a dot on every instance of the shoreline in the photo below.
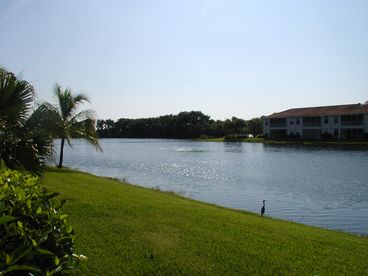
(127, 229)
(186, 197)
(337, 143)
(291, 142)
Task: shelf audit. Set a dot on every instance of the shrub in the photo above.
(327, 136)
(35, 237)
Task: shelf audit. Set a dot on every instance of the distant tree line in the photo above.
(185, 125)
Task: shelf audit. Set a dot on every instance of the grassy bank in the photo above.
(124, 229)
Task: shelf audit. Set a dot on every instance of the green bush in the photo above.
(35, 237)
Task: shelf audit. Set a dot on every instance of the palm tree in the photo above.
(24, 143)
(66, 122)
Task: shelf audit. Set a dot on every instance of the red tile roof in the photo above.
(348, 109)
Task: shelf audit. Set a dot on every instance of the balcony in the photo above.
(352, 120)
(312, 121)
(277, 122)
(311, 124)
(352, 123)
(277, 125)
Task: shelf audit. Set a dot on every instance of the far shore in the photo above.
(363, 143)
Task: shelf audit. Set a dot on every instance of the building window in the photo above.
(325, 120)
(352, 133)
(352, 120)
(291, 122)
(311, 121)
(298, 121)
(336, 119)
(278, 122)
(311, 133)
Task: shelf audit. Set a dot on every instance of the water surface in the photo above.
(316, 186)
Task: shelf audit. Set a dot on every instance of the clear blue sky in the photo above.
(144, 58)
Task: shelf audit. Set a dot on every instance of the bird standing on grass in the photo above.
(263, 209)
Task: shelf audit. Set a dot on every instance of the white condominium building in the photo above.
(338, 121)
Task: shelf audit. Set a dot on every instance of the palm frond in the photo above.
(16, 98)
(86, 129)
(85, 114)
(81, 98)
(27, 147)
(24, 144)
(47, 118)
(68, 103)
(31, 155)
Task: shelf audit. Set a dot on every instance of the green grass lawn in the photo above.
(129, 230)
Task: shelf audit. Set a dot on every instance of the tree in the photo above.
(24, 143)
(66, 122)
(255, 126)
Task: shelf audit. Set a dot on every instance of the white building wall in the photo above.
(330, 126)
(293, 128)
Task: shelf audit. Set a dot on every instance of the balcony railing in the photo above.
(352, 123)
(278, 125)
(312, 121)
(311, 124)
(352, 120)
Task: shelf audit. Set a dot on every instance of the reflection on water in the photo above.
(233, 147)
(327, 187)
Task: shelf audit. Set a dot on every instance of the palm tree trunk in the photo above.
(61, 153)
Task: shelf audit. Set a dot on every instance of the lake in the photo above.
(318, 186)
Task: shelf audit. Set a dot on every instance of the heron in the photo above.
(263, 209)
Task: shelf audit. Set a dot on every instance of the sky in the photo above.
(146, 58)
